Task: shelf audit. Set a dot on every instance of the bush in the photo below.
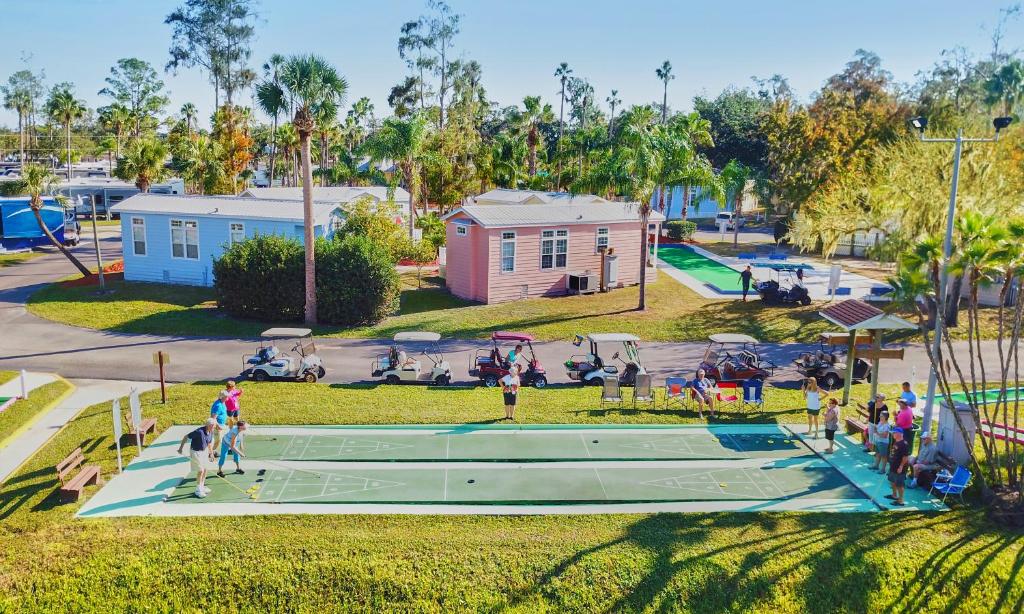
(261, 278)
(680, 230)
(356, 281)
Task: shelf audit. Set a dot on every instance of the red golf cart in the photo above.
(734, 357)
(489, 364)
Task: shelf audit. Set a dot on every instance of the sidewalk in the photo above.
(85, 393)
(33, 380)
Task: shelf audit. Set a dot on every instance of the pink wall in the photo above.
(474, 261)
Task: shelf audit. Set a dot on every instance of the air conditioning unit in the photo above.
(582, 283)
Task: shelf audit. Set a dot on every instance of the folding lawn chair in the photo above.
(753, 393)
(726, 394)
(676, 392)
(610, 392)
(643, 390)
(954, 484)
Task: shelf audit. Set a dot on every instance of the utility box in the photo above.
(581, 283)
(611, 270)
(950, 441)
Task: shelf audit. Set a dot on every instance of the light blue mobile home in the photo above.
(175, 239)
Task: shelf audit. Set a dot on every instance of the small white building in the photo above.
(341, 195)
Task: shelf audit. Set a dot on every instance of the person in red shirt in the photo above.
(231, 402)
(905, 421)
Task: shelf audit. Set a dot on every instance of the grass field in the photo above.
(697, 562)
(6, 376)
(674, 313)
(24, 410)
(7, 260)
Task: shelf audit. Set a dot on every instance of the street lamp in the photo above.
(920, 123)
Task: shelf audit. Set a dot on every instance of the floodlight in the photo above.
(920, 123)
(1001, 122)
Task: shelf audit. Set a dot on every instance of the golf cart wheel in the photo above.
(597, 381)
(260, 376)
(321, 372)
(831, 382)
(491, 381)
(442, 380)
(310, 377)
(392, 379)
(805, 300)
(867, 376)
(540, 381)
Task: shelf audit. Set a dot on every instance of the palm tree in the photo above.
(562, 72)
(117, 118)
(106, 147)
(613, 101)
(326, 119)
(288, 138)
(143, 162)
(199, 162)
(403, 141)
(682, 164)
(507, 154)
(665, 74)
(271, 99)
(19, 101)
(189, 113)
(529, 120)
(1006, 86)
(64, 108)
(311, 83)
(734, 179)
(38, 181)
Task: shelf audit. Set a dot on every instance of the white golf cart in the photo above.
(591, 369)
(399, 367)
(270, 363)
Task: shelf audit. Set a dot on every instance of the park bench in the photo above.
(148, 426)
(858, 424)
(71, 486)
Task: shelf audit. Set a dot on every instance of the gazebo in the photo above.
(855, 316)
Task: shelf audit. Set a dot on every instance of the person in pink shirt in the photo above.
(905, 421)
(231, 402)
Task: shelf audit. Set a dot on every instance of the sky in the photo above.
(614, 44)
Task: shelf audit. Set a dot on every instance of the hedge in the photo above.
(681, 230)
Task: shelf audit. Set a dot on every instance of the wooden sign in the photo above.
(844, 339)
(165, 359)
(871, 354)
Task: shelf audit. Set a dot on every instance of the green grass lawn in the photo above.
(6, 376)
(674, 313)
(23, 410)
(667, 562)
(7, 260)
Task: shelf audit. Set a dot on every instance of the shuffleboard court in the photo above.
(702, 268)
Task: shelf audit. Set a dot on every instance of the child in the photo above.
(882, 442)
(510, 391)
(231, 402)
(813, 396)
(831, 423)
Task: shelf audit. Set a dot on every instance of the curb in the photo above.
(36, 418)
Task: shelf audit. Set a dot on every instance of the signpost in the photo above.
(160, 358)
(116, 407)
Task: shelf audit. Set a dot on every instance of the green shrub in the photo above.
(12, 188)
(356, 281)
(680, 230)
(261, 278)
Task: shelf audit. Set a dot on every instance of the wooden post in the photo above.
(877, 346)
(163, 386)
(851, 357)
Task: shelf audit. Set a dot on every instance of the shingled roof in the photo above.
(855, 314)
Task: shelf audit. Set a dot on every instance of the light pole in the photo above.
(920, 123)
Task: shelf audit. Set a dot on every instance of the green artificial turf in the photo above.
(702, 268)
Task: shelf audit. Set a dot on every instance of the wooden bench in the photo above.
(859, 424)
(148, 426)
(71, 487)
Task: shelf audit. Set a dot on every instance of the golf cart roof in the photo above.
(416, 335)
(282, 333)
(612, 337)
(731, 338)
(502, 335)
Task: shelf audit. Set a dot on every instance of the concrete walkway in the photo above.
(85, 393)
(33, 380)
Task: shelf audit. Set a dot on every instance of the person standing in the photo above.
(232, 403)
(200, 444)
(881, 442)
(219, 413)
(898, 456)
(873, 409)
(813, 396)
(831, 423)
(746, 277)
(232, 444)
(510, 391)
(908, 395)
(905, 421)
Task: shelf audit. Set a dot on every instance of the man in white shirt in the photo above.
(510, 391)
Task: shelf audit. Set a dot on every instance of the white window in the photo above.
(185, 239)
(237, 232)
(461, 230)
(508, 252)
(138, 236)
(602, 238)
(554, 249)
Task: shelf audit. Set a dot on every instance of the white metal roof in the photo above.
(505, 196)
(416, 335)
(732, 338)
(498, 216)
(225, 206)
(286, 332)
(335, 194)
(612, 337)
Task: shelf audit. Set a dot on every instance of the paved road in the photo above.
(32, 343)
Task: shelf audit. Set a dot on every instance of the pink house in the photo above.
(499, 253)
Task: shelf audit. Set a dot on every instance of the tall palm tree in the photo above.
(682, 164)
(144, 162)
(271, 99)
(106, 147)
(37, 182)
(64, 108)
(734, 179)
(189, 113)
(562, 73)
(326, 120)
(613, 101)
(19, 101)
(534, 113)
(665, 74)
(310, 83)
(1006, 86)
(403, 141)
(288, 139)
(117, 118)
(200, 162)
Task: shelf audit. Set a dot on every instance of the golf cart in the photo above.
(773, 292)
(591, 369)
(270, 363)
(398, 367)
(733, 357)
(828, 367)
(489, 365)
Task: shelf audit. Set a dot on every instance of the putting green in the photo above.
(990, 396)
(702, 268)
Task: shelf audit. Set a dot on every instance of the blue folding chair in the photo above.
(676, 392)
(954, 484)
(753, 393)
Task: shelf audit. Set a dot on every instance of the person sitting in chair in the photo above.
(513, 354)
(704, 392)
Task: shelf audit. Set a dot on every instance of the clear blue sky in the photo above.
(613, 44)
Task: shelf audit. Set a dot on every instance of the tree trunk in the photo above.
(307, 228)
(532, 143)
(273, 152)
(68, 129)
(558, 145)
(953, 301)
(686, 201)
(735, 220)
(67, 254)
(644, 220)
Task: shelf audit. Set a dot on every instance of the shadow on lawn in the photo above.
(833, 560)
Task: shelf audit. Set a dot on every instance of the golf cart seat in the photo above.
(747, 357)
(280, 362)
(412, 366)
